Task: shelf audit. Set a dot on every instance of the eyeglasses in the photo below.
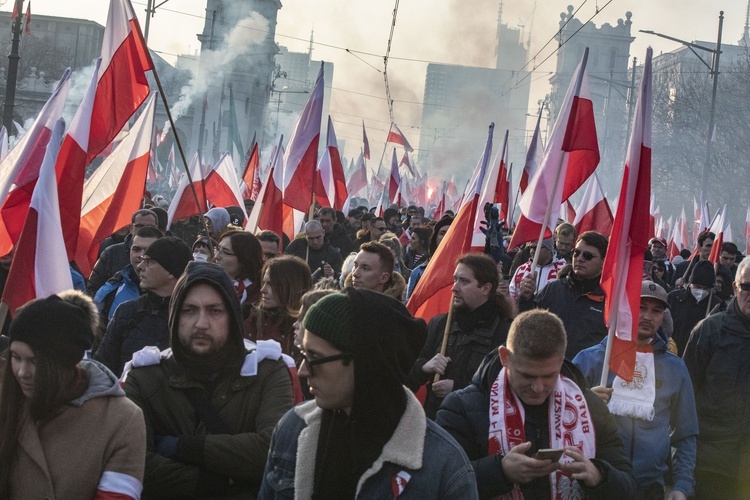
(745, 287)
(379, 228)
(585, 253)
(320, 361)
(225, 252)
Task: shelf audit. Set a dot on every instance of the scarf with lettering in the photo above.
(570, 424)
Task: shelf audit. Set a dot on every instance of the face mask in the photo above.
(699, 294)
(200, 257)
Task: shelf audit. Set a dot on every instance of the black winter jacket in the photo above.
(112, 259)
(686, 313)
(465, 415)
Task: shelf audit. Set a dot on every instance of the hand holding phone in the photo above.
(549, 454)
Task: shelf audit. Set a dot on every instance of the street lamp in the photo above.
(714, 72)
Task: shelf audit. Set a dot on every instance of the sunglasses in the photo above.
(585, 253)
(745, 287)
(311, 363)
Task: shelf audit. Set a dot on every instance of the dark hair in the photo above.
(485, 271)
(249, 254)
(704, 236)
(290, 279)
(729, 247)
(149, 232)
(596, 240)
(162, 218)
(424, 233)
(374, 220)
(369, 216)
(144, 211)
(268, 235)
(327, 211)
(386, 254)
(446, 220)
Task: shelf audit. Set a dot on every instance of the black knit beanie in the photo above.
(330, 319)
(59, 330)
(703, 274)
(171, 253)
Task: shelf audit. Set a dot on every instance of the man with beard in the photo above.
(480, 324)
(211, 403)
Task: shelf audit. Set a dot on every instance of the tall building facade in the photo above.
(229, 24)
(609, 84)
(460, 102)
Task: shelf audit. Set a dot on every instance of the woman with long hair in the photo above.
(285, 279)
(55, 404)
(240, 254)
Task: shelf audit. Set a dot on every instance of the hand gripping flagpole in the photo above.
(446, 332)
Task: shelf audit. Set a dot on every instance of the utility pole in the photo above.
(202, 129)
(150, 11)
(714, 72)
(13, 58)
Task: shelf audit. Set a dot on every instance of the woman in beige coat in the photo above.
(66, 429)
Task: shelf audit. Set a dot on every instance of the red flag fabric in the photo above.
(719, 228)
(570, 158)
(330, 189)
(623, 266)
(405, 161)
(302, 151)
(534, 155)
(222, 187)
(40, 264)
(268, 212)
(502, 186)
(183, 202)
(394, 181)
(365, 141)
(432, 295)
(674, 243)
(19, 170)
(15, 9)
(28, 18)
(115, 190)
(396, 136)
(593, 213)
(251, 175)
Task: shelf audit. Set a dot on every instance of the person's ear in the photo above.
(504, 354)
(384, 277)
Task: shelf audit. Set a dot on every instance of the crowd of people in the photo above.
(200, 360)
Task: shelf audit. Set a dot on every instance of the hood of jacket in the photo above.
(101, 382)
(214, 276)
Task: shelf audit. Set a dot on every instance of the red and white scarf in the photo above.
(240, 287)
(570, 424)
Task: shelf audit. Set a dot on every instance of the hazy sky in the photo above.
(446, 31)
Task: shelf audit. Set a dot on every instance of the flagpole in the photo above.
(610, 341)
(547, 214)
(446, 332)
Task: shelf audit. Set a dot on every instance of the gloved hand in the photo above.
(166, 446)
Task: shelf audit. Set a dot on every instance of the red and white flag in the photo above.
(684, 229)
(719, 227)
(622, 273)
(115, 190)
(358, 179)
(222, 187)
(440, 210)
(28, 19)
(40, 264)
(502, 184)
(433, 294)
(570, 158)
(251, 175)
(19, 170)
(183, 202)
(397, 137)
(405, 161)
(302, 151)
(268, 211)
(365, 141)
(394, 181)
(674, 241)
(330, 190)
(534, 156)
(593, 213)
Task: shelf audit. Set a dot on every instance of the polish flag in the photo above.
(432, 294)
(174, 175)
(330, 190)
(534, 156)
(570, 158)
(397, 137)
(358, 179)
(40, 265)
(394, 181)
(440, 210)
(569, 212)
(222, 187)
(673, 244)
(302, 151)
(19, 170)
(251, 175)
(268, 211)
(122, 85)
(405, 161)
(380, 207)
(684, 229)
(623, 266)
(365, 141)
(115, 190)
(183, 202)
(719, 227)
(502, 186)
(593, 213)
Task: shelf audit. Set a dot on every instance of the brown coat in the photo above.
(66, 457)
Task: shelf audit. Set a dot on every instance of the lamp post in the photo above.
(13, 58)
(714, 72)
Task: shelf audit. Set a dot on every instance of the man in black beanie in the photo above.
(365, 435)
(211, 403)
(691, 304)
(142, 322)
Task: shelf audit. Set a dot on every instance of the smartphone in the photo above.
(547, 453)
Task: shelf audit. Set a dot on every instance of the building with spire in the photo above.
(240, 34)
(460, 102)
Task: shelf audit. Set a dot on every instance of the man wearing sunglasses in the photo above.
(365, 435)
(717, 357)
(576, 298)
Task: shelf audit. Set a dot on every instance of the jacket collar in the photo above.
(405, 447)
